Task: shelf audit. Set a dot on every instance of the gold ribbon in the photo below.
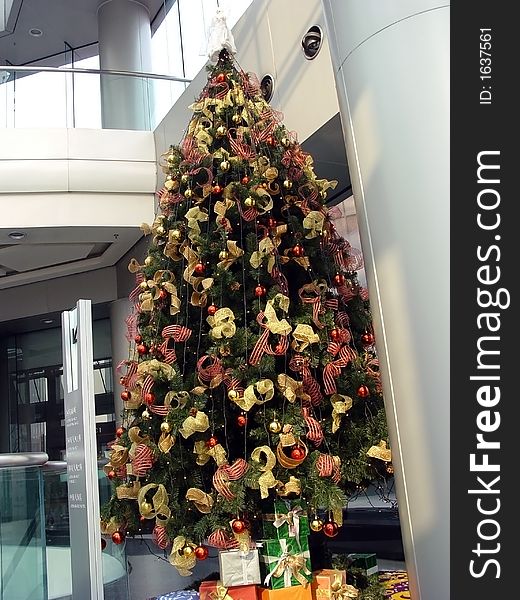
(381, 452)
(118, 457)
(293, 563)
(272, 322)
(314, 223)
(159, 504)
(173, 247)
(203, 502)
(194, 216)
(233, 254)
(181, 562)
(267, 479)
(221, 207)
(200, 285)
(191, 424)
(265, 251)
(222, 324)
(293, 486)
(303, 261)
(204, 453)
(292, 389)
(265, 390)
(304, 336)
(220, 593)
(166, 442)
(340, 406)
(110, 527)
(155, 285)
(156, 369)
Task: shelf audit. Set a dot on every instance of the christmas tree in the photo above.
(252, 373)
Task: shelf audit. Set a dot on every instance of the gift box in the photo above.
(215, 590)
(367, 562)
(239, 568)
(180, 595)
(285, 562)
(331, 584)
(289, 520)
(296, 592)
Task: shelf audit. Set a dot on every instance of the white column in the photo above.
(125, 45)
(119, 311)
(391, 64)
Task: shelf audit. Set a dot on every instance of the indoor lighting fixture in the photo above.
(17, 235)
(47, 321)
(35, 32)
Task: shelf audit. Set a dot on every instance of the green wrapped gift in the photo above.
(289, 520)
(367, 562)
(285, 563)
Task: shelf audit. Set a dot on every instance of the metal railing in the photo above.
(32, 97)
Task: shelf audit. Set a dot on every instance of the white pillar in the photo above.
(119, 311)
(391, 64)
(125, 45)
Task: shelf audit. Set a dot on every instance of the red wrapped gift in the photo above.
(214, 590)
(295, 592)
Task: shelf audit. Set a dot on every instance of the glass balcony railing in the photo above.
(23, 565)
(68, 97)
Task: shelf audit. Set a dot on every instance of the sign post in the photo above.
(81, 450)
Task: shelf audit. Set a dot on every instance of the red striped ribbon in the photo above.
(239, 146)
(159, 409)
(333, 369)
(329, 466)
(134, 294)
(147, 387)
(129, 378)
(142, 462)
(226, 473)
(208, 373)
(315, 433)
(311, 294)
(177, 333)
(221, 540)
(160, 537)
(343, 337)
(300, 364)
(262, 344)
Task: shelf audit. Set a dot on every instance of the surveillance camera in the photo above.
(311, 42)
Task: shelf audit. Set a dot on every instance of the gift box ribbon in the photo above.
(220, 593)
(288, 565)
(292, 518)
(345, 592)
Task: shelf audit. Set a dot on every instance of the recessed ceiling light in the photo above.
(35, 32)
(17, 235)
(47, 321)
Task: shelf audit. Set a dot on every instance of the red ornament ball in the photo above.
(163, 294)
(212, 309)
(363, 391)
(149, 398)
(298, 251)
(298, 453)
(270, 140)
(111, 475)
(221, 77)
(138, 339)
(118, 537)
(238, 526)
(103, 544)
(335, 335)
(201, 552)
(339, 279)
(272, 222)
(199, 268)
(212, 442)
(260, 291)
(242, 420)
(216, 191)
(330, 529)
(142, 349)
(367, 339)
(120, 431)
(244, 180)
(125, 395)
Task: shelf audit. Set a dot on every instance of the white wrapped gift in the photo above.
(239, 568)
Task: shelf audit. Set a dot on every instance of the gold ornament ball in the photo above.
(168, 184)
(249, 202)
(187, 551)
(171, 159)
(275, 427)
(165, 427)
(143, 285)
(188, 193)
(316, 524)
(148, 261)
(176, 234)
(221, 131)
(286, 142)
(287, 184)
(236, 118)
(160, 230)
(145, 508)
(225, 165)
(185, 178)
(223, 255)
(232, 394)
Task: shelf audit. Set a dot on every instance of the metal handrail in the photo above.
(15, 69)
(23, 459)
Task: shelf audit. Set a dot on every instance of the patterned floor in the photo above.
(396, 584)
